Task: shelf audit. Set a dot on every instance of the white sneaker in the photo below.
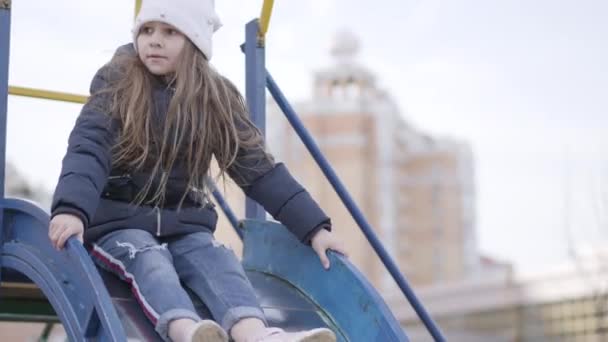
(207, 331)
(314, 335)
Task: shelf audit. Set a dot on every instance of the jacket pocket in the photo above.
(205, 216)
(120, 188)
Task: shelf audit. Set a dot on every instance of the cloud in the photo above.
(322, 8)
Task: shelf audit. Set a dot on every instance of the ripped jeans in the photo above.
(157, 268)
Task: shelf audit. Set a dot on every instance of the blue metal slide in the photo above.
(295, 291)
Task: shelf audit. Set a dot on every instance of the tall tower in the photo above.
(355, 124)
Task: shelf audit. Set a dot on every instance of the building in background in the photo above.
(567, 303)
(416, 190)
(437, 212)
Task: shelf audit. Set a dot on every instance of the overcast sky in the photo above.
(524, 82)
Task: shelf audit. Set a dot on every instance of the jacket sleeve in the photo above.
(271, 185)
(87, 162)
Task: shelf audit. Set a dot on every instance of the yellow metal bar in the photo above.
(265, 18)
(47, 95)
(137, 7)
(53, 95)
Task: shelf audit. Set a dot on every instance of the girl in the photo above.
(132, 185)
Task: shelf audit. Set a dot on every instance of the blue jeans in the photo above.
(156, 269)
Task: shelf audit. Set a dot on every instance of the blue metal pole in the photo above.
(255, 66)
(255, 89)
(5, 32)
(312, 147)
(225, 207)
(5, 35)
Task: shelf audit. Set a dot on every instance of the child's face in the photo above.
(159, 46)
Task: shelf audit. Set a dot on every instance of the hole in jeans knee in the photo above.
(133, 251)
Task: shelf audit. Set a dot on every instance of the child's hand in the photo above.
(63, 226)
(324, 240)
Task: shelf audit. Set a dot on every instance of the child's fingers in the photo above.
(321, 252)
(54, 232)
(64, 236)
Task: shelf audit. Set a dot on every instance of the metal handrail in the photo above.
(265, 20)
(47, 94)
(137, 7)
(57, 95)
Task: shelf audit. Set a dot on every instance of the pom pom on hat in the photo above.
(196, 19)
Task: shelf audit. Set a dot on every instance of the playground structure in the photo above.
(45, 285)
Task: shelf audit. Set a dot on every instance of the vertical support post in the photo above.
(255, 89)
(5, 35)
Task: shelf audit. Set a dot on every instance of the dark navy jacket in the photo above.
(92, 189)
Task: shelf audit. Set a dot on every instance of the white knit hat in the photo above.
(196, 19)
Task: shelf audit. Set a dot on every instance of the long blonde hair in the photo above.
(206, 117)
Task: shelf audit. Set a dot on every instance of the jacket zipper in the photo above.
(119, 176)
(157, 220)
